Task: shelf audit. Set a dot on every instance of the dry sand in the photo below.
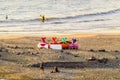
(20, 58)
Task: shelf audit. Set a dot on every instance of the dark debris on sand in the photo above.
(103, 60)
(2, 49)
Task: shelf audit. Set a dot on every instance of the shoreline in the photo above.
(77, 35)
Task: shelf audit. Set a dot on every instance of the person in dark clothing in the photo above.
(6, 17)
(43, 18)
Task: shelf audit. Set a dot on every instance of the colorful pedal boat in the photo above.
(43, 45)
(73, 46)
(58, 46)
(54, 45)
(65, 45)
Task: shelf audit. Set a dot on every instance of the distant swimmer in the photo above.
(42, 18)
(6, 17)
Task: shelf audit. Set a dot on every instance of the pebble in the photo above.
(4, 50)
(102, 50)
(76, 56)
(18, 53)
(91, 50)
(116, 51)
(103, 60)
(0, 50)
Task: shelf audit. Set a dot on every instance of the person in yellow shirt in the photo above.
(42, 17)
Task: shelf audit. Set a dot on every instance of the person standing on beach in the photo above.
(74, 40)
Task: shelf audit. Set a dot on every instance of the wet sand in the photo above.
(20, 58)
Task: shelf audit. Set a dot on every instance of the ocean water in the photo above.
(64, 16)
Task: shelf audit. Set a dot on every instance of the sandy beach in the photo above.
(91, 51)
(98, 58)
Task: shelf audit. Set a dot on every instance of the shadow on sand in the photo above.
(87, 64)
